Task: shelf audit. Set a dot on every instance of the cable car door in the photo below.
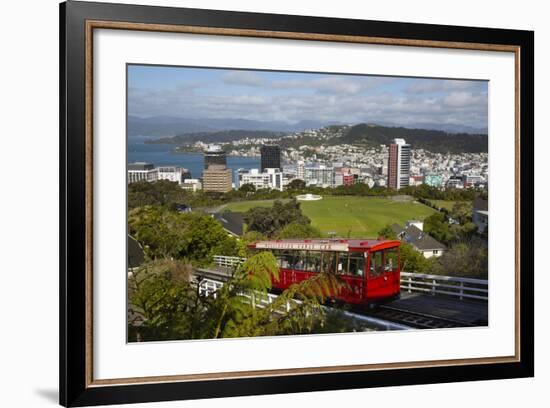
(351, 268)
(379, 281)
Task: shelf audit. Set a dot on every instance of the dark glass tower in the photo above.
(215, 156)
(271, 157)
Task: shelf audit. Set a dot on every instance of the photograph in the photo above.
(286, 203)
(256, 203)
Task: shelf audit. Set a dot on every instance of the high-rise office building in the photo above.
(214, 155)
(271, 157)
(399, 164)
(217, 178)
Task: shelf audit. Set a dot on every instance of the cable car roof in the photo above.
(339, 245)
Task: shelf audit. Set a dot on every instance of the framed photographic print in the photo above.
(256, 203)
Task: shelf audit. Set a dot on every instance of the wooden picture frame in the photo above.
(78, 20)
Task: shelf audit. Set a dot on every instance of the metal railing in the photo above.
(209, 287)
(228, 261)
(463, 288)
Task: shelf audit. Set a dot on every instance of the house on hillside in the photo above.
(414, 235)
(232, 222)
(480, 214)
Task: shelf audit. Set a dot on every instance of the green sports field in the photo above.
(351, 216)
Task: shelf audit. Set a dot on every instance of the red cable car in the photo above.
(370, 267)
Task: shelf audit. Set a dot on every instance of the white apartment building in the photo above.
(471, 180)
(455, 182)
(270, 178)
(191, 184)
(320, 176)
(172, 173)
(338, 179)
(141, 171)
(300, 170)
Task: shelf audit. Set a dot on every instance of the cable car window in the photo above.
(356, 264)
(342, 266)
(376, 265)
(329, 262)
(286, 259)
(277, 254)
(313, 262)
(391, 260)
(299, 260)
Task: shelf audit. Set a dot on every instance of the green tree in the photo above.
(438, 227)
(173, 307)
(160, 294)
(297, 184)
(298, 230)
(262, 220)
(387, 233)
(462, 212)
(464, 259)
(169, 234)
(247, 188)
(412, 260)
(253, 236)
(163, 193)
(270, 220)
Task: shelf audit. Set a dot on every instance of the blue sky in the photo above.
(292, 96)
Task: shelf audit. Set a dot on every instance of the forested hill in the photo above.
(433, 140)
(436, 141)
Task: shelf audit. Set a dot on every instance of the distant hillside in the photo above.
(167, 126)
(445, 127)
(433, 140)
(163, 126)
(215, 137)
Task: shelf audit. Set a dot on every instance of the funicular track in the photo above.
(414, 319)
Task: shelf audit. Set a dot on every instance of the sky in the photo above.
(189, 92)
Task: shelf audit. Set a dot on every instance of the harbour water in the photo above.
(163, 155)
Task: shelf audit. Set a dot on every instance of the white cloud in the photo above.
(332, 99)
(332, 84)
(245, 78)
(439, 85)
(464, 99)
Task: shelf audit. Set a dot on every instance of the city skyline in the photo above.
(392, 166)
(290, 97)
